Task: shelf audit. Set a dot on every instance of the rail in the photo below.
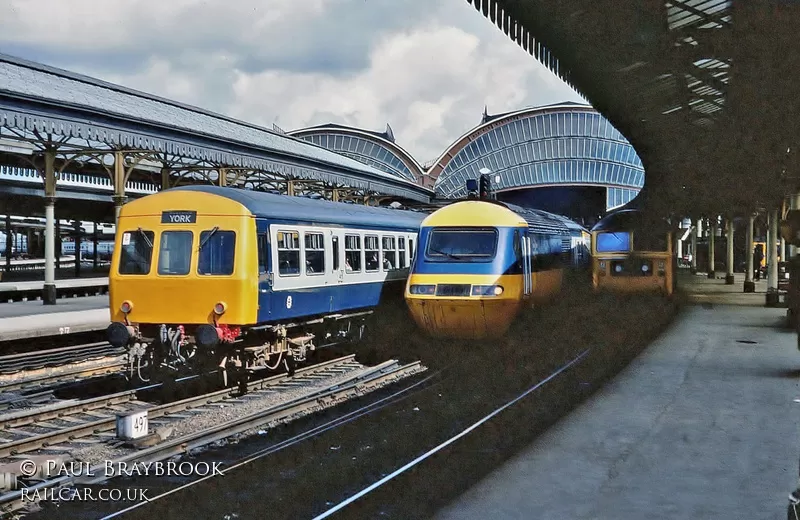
(329, 395)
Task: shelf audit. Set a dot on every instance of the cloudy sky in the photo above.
(427, 67)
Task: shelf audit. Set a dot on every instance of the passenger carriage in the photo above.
(248, 279)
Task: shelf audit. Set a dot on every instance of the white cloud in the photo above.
(427, 67)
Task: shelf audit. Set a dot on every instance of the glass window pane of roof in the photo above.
(595, 126)
(505, 136)
(468, 151)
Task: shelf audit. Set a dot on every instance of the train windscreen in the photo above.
(619, 242)
(462, 244)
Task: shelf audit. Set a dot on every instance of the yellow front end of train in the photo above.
(162, 273)
(484, 306)
(632, 255)
(474, 270)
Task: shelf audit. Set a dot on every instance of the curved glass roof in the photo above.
(365, 147)
(542, 147)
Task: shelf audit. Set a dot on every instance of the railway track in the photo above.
(93, 417)
(13, 363)
(92, 421)
(26, 381)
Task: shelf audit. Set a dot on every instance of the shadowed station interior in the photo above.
(575, 310)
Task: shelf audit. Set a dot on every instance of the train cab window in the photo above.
(137, 252)
(389, 254)
(315, 253)
(216, 252)
(648, 241)
(175, 253)
(352, 253)
(335, 247)
(411, 250)
(401, 251)
(263, 243)
(618, 242)
(465, 245)
(288, 253)
(371, 253)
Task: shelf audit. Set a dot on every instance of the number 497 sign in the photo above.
(132, 425)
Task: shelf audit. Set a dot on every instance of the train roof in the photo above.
(474, 212)
(477, 212)
(283, 207)
(547, 222)
(630, 219)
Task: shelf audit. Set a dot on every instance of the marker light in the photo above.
(220, 308)
(422, 289)
(126, 307)
(487, 290)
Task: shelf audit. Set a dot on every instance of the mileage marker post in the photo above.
(132, 425)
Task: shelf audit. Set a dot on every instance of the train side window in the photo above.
(175, 253)
(217, 251)
(371, 253)
(401, 249)
(518, 250)
(411, 249)
(389, 254)
(262, 253)
(335, 247)
(136, 252)
(288, 253)
(315, 253)
(352, 253)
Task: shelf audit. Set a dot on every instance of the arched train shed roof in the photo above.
(561, 144)
(376, 149)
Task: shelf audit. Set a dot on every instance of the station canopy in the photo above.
(704, 90)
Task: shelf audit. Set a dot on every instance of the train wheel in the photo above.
(290, 365)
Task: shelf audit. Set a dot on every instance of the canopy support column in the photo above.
(749, 284)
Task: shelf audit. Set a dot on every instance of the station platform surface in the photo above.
(25, 290)
(702, 424)
(67, 283)
(701, 289)
(32, 319)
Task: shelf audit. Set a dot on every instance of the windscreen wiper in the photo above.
(208, 237)
(449, 255)
(146, 239)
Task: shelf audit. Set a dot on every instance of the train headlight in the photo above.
(220, 308)
(487, 290)
(126, 307)
(645, 268)
(422, 289)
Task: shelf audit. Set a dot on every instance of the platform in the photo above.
(703, 424)
(31, 319)
(701, 289)
(19, 291)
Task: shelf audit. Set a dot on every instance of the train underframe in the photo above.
(235, 353)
